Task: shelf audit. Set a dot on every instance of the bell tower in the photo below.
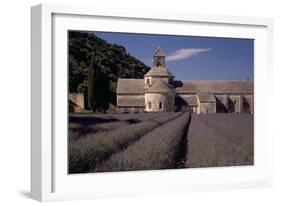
(159, 71)
(159, 58)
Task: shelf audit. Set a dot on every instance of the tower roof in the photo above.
(130, 86)
(159, 72)
(159, 87)
(159, 53)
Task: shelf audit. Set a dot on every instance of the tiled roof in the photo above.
(130, 86)
(206, 97)
(215, 86)
(136, 86)
(159, 72)
(190, 100)
(159, 53)
(159, 86)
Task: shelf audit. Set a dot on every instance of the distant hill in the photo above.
(114, 62)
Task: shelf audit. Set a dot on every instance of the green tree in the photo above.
(91, 83)
(98, 85)
(95, 66)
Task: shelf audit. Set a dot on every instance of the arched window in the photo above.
(159, 64)
(147, 81)
(149, 105)
(160, 105)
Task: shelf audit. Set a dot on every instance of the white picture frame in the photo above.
(49, 102)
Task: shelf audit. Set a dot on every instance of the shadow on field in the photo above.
(96, 120)
(92, 124)
(90, 120)
(133, 121)
(182, 154)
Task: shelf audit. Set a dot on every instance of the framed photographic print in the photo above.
(135, 102)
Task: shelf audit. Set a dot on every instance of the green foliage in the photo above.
(95, 66)
(91, 84)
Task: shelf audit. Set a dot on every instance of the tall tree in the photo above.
(91, 82)
(98, 85)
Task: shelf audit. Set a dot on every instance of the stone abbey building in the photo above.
(159, 91)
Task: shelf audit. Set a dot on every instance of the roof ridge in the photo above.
(159, 71)
(211, 86)
(215, 80)
(159, 52)
(129, 79)
(159, 86)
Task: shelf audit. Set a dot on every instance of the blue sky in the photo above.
(192, 58)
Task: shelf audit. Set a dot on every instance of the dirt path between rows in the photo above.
(181, 156)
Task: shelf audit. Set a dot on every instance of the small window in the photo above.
(160, 105)
(158, 63)
(147, 81)
(149, 105)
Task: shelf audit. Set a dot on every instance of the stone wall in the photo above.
(153, 101)
(186, 102)
(235, 104)
(207, 107)
(222, 103)
(77, 98)
(130, 103)
(193, 109)
(136, 100)
(130, 109)
(225, 103)
(248, 102)
(148, 81)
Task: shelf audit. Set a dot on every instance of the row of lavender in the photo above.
(159, 141)
(220, 140)
(88, 153)
(82, 124)
(157, 149)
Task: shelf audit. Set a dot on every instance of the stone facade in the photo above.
(77, 98)
(159, 92)
(157, 102)
(207, 107)
(130, 103)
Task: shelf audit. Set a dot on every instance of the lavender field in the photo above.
(149, 141)
(215, 140)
